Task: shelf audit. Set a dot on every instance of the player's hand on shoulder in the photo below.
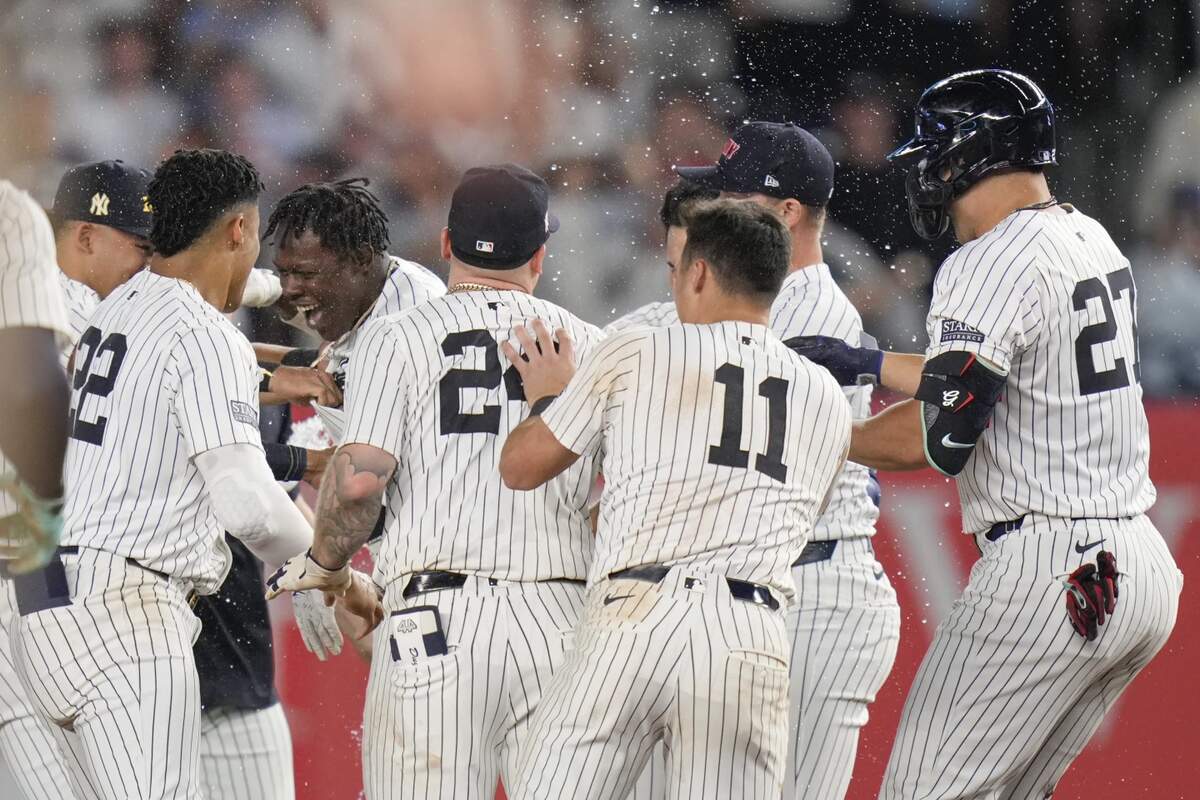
(849, 365)
(317, 623)
(546, 363)
(304, 386)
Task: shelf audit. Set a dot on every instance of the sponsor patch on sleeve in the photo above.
(243, 412)
(955, 331)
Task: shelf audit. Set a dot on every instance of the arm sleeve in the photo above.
(216, 396)
(985, 304)
(576, 418)
(30, 294)
(251, 505)
(375, 386)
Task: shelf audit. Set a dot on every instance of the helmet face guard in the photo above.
(968, 126)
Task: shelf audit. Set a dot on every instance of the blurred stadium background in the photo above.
(602, 98)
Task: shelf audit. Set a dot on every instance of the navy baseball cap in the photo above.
(108, 193)
(777, 159)
(499, 217)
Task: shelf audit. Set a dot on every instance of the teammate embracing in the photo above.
(482, 584)
(1029, 395)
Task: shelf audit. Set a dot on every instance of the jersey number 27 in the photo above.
(1092, 380)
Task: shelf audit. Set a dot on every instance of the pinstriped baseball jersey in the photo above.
(1049, 299)
(81, 303)
(651, 315)
(719, 445)
(432, 388)
(30, 297)
(408, 284)
(160, 376)
(812, 304)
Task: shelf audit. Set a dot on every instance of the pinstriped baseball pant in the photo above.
(844, 630)
(693, 667)
(450, 726)
(246, 754)
(26, 742)
(113, 673)
(1008, 694)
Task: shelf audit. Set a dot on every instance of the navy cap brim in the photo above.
(709, 177)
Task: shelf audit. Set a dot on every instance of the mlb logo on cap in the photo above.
(485, 247)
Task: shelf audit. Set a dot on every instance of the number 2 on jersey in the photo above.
(450, 387)
(1092, 380)
(87, 382)
(729, 452)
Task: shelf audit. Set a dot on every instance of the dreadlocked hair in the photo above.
(344, 215)
(191, 190)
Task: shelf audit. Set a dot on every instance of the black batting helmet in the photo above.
(969, 125)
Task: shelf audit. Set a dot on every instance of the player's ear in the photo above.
(83, 237)
(696, 275)
(445, 240)
(537, 262)
(236, 230)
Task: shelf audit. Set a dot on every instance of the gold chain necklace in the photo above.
(463, 286)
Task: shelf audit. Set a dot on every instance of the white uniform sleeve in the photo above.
(216, 389)
(577, 417)
(375, 390)
(30, 295)
(250, 505)
(987, 305)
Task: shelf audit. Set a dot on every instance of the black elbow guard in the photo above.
(957, 394)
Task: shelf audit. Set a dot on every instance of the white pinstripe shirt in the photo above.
(728, 479)
(30, 296)
(408, 284)
(810, 303)
(160, 376)
(1050, 300)
(432, 388)
(81, 303)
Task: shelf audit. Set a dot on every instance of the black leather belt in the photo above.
(437, 580)
(741, 590)
(1002, 529)
(816, 551)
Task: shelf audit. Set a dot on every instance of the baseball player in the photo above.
(164, 455)
(33, 436)
(845, 623)
(482, 585)
(1029, 395)
(719, 446)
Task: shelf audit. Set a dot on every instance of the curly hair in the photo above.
(191, 190)
(344, 215)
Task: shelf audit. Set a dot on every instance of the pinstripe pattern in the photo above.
(1049, 448)
(408, 284)
(452, 725)
(651, 397)
(1008, 694)
(682, 662)
(115, 670)
(651, 315)
(26, 742)
(185, 373)
(81, 303)
(30, 296)
(434, 521)
(246, 754)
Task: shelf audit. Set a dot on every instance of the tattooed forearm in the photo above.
(348, 505)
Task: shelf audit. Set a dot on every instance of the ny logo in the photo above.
(731, 147)
(949, 398)
(146, 207)
(100, 204)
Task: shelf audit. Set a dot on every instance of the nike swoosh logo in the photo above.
(948, 442)
(1083, 548)
(612, 598)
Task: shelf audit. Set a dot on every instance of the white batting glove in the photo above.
(318, 627)
(301, 572)
(262, 289)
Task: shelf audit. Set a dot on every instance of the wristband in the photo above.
(541, 404)
(287, 463)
